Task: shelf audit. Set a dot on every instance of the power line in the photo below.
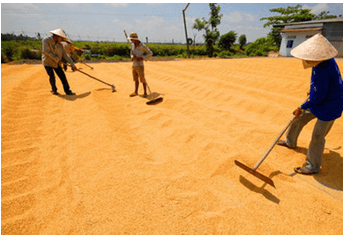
(93, 38)
(35, 12)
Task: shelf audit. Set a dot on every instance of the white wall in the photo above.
(300, 37)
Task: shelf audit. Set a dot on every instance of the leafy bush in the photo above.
(117, 57)
(227, 40)
(183, 55)
(25, 53)
(4, 58)
(17, 50)
(225, 54)
(85, 56)
(260, 47)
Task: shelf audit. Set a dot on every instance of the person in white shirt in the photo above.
(139, 52)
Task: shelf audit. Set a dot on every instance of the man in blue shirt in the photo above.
(325, 100)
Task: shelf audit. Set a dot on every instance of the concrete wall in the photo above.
(339, 47)
(333, 31)
(300, 37)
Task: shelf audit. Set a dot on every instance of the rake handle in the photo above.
(93, 77)
(86, 64)
(113, 87)
(277, 139)
(272, 146)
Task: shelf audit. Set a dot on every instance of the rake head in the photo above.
(113, 88)
(154, 98)
(255, 173)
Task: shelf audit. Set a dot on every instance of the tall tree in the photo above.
(289, 15)
(212, 34)
(227, 40)
(242, 41)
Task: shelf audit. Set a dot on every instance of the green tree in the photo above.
(212, 34)
(324, 15)
(289, 15)
(242, 41)
(227, 40)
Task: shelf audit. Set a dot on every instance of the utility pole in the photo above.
(187, 41)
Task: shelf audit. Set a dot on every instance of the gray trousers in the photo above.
(316, 147)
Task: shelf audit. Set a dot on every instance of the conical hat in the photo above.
(317, 48)
(61, 33)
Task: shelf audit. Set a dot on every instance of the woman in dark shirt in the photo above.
(325, 100)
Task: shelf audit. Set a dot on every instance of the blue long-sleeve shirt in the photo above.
(326, 91)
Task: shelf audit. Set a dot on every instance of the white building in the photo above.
(295, 33)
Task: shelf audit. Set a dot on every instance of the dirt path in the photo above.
(104, 163)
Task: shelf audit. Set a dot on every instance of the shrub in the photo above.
(4, 58)
(260, 47)
(86, 56)
(117, 57)
(225, 54)
(25, 53)
(183, 55)
(227, 40)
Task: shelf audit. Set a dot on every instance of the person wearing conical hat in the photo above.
(139, 52)
(53, 54)
(325, 101)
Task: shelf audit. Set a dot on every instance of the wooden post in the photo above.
(187, 41)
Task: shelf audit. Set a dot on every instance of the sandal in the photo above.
(304, 170)
(283, 143)
(133, 94)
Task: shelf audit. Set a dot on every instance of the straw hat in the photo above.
(317, 48)
(61, 33)
(133, 35)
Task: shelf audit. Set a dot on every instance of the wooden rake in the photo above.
(111, 85)
(253, 170)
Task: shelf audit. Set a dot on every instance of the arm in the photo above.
(67, 58)
(46, 49)
(148, 53)
(74, 54)
(318, 88)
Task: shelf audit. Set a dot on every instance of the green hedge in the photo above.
(18, 50)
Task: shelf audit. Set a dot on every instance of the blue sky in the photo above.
(160, 22)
